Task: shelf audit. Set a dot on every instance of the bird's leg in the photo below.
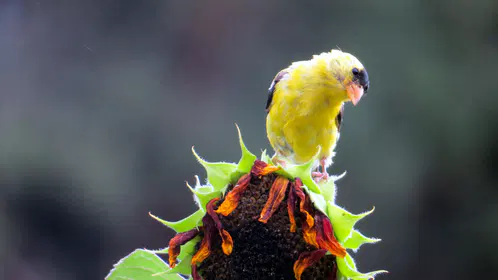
(318, 176)
(276, 160)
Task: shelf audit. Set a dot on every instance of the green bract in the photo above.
(145, 264)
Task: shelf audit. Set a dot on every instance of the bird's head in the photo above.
(350, 74)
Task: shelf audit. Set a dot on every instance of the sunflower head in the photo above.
(260, 221)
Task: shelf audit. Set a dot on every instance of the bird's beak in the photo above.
(355, 92)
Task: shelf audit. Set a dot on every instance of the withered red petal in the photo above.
(205, 248)
(210, 211)
(275, 198)
(203, 252)
(261, 168)
(291, 205)
(195, 273)
(233, 197)
(307, 259)
(325, 236)
(309, 235)
(227, 244)
(304, 203)
(177, 241)
(299, 183)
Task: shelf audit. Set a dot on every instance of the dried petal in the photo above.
(309, 235)
(307, 259)
(195, 273)
(277, 194)
(203, 252)
(325, 236)
(212, 213)
(304, 203)
(177, 241)
(232, 198)
(261, 168)
(227, 242)
(205, 248)
(291, 205)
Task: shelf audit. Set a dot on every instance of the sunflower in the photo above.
(260, 221)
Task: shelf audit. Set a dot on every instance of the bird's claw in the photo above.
(277, 161)
(319, 176)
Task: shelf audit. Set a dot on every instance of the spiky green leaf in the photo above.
(266, 158)
(357, 239)
(141, 265)
(303, 171)
(247, 159)
(317, 199)
(204, 194)
(158, 251)
(328, 187)
(188, 248)
(184, 265)
(347, 269)
(343, 221)
(218, 173)
(185, 224)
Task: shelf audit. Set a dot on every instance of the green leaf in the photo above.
(218, 173)
(317, 199)
(266, 158)
(350, 262)
(199, 187)
(343, 221)
(158, 251)
(303, 172)
(328, 187)
(204, 194)
(183, 225)
(357, 239)
(188, 249)
(141, 265)
(339, 276)
(247, 160)
(283, 172)
(184, 265)
(347, 268)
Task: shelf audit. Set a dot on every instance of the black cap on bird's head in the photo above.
(361, 77)
(359, 84)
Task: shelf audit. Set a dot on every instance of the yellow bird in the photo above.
(305, 107)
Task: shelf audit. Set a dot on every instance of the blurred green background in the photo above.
(101, 101)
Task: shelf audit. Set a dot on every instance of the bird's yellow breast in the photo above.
(302, 117)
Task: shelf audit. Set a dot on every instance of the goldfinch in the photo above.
(305, 107)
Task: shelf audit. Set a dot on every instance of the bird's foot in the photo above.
(319, 176)
(277, 161)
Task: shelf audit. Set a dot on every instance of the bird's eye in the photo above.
(356, 71)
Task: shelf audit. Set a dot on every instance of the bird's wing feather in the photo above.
(339, 118)
(271, 90)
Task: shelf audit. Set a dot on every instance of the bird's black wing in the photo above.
(339, 118)
(271, 90)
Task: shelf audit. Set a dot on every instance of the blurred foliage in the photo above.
(101, 101)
